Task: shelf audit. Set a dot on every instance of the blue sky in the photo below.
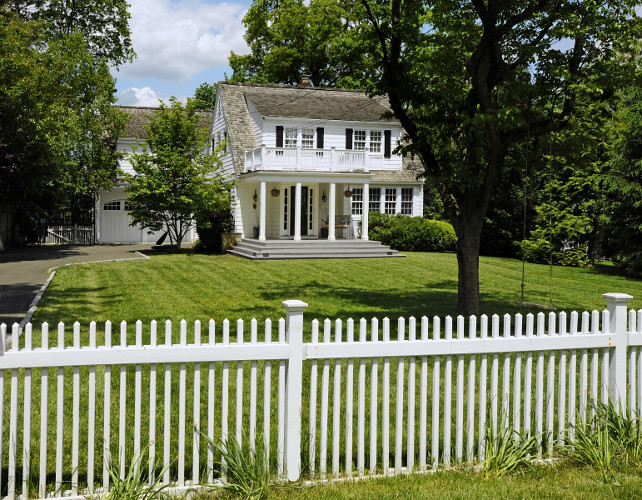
(180, 44)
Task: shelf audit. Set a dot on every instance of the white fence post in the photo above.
(294, 387)
(616, 304)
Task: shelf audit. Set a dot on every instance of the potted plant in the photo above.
(275, 192)
(347, 193)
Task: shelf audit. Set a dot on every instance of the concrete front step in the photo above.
(312, 249)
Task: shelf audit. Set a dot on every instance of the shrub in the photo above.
(537, 250)
(413, 234)
(210, 228)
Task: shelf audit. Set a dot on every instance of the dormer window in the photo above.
(359, 140)
(375, 141)
(307, 138)
(290, 137)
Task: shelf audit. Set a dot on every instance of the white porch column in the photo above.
(331, 211)
(365, 203)
(262, 211)
(297, 212)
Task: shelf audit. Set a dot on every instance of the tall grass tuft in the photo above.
(246, 470)
(611, 439)
(133, 485)
(507, 451)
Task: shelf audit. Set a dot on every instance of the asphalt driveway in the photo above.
(24, 270)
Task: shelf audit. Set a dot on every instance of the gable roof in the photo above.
(303, 102)
(139, 117)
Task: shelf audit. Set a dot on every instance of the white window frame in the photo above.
(359, 138)
(112, 206)
(356, 201)
(375, 141)
(374, 203)
(290, 137)
(307, 138)
(390, 203)
(406, 201)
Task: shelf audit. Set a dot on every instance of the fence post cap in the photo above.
(618, 298)
(294, 305)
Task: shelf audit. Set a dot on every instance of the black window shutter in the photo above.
(279, 136)
(320, 137)
(348, 138)
(387, 149)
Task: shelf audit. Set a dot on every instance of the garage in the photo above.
(114, 223)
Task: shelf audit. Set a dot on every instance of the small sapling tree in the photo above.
(175, 177)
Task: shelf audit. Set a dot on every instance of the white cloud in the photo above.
(177, 39)
(138, 97)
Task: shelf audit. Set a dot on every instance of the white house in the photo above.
(295, 152)
(307, 164)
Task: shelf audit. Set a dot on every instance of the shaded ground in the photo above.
(24, 270)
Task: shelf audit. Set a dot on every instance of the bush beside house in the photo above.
(210, 228)
(412, 234)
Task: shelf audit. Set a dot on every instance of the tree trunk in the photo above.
(468, 241)
(179, 233)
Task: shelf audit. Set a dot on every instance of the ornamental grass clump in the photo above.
(134, 484)
(246, 470)
(507, 451)
(610, 440)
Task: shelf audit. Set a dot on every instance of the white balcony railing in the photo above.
(321, 160)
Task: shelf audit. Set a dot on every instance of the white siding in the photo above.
(219, 129)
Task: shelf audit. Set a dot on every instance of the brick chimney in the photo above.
(305, 81)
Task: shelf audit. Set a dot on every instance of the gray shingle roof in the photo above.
(315, 102)
(302, 102)
(140, 116)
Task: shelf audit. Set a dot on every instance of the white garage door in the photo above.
(114, 224)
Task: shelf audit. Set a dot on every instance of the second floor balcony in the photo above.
(315, 160)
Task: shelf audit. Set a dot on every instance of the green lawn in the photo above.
(194, 286)
(566, 482)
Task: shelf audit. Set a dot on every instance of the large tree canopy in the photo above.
(104, 24)
(57, 124)
(288, 38)
(469, 80)
(624, 184)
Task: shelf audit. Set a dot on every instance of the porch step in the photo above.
(312, 249)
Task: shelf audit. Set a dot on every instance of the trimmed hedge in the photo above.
(412, 234)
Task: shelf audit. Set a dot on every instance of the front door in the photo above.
(304, 210)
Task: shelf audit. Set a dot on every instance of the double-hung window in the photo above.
(390, 203)
(290, 137)
(406, 201)
(307, 138)
(374, 204)
(360, 140)
(375, 141)
(357, 198)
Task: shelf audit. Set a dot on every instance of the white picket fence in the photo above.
(70, 235)
(353, 401)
